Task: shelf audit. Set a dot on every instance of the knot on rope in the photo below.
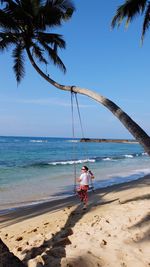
(73, 86)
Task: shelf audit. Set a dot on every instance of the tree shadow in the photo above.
(144, 222)
(7, 258)
(146, 196)
(19, 214)
(53, 250)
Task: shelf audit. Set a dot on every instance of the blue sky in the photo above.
(110, 62)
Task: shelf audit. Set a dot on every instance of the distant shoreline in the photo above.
(95, 140)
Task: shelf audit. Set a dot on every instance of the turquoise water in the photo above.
(34, 169)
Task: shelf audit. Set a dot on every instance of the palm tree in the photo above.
(26, 25)
(129, 10)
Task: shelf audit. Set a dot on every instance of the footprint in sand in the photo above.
(19, 238)
(103, 243)
(46, 223)
(33, 230)
(19, 249)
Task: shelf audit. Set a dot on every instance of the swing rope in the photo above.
(73, 133)
(81, 125)
(79, 114)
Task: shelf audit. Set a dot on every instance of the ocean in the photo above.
(37, 169)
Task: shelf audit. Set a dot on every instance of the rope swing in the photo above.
(73, 135)
(74, 95)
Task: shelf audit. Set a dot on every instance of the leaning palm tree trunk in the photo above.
(138, 133)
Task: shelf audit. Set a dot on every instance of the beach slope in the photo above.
(113, 231)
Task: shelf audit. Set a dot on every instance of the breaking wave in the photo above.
(82, 161)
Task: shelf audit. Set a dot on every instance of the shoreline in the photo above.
(113, 231)
(104, 184)
(36, 208)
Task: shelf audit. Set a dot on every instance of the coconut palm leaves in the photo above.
(26, 25)
(129, 10)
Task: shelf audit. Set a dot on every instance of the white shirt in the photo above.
(85, 178)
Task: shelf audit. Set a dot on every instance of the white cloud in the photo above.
(43, 101)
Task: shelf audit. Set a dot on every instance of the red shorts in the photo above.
(82, 192)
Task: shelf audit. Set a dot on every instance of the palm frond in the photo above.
(52, 38)
(7, 39)
(38, 53)
(128, 10)
(146, 22)
(54, 12)
(18, 62)
(54, 57)
(67, 7)
(27, 24)
(31, 7)
(10, 6)
(21, 14)
(6, 21)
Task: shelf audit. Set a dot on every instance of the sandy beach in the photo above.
(113, 231)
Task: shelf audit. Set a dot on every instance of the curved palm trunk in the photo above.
(138, 133)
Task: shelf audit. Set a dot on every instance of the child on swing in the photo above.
(84, 181)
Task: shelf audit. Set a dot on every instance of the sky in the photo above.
(111, 62)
